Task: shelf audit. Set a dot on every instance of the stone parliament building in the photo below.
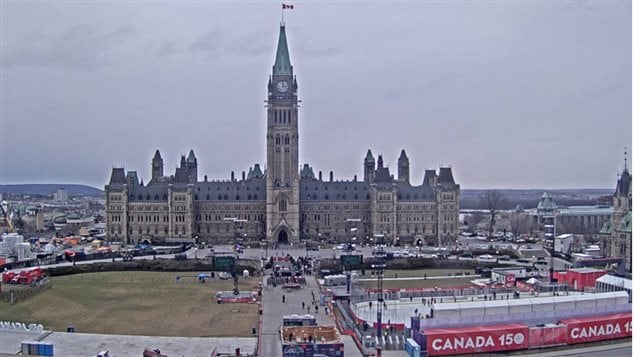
(282, 204)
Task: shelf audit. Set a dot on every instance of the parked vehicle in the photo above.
(27, 276)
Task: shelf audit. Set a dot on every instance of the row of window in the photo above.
(384, 197)
(228, 188)
(230, 207)
(258, 226)
(282, 116)
(326, 188)
(221, 218)
(336, 197)
(225, 197)
(282, 140)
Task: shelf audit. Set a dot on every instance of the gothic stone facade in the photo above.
(283, 204)
(621, 228)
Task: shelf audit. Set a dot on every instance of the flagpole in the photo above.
(282, 13)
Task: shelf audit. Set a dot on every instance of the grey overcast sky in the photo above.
(511, 94)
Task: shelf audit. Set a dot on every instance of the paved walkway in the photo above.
(274, 309)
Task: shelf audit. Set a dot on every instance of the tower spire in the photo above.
(282, 66)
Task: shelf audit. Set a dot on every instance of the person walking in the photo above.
(302, 305)
(283, 299)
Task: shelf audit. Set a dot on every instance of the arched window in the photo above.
(140, 197)
(278, 139)
(286, 139)
(282, 204)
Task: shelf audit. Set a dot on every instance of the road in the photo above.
(274, 309)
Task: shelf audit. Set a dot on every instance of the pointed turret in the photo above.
(445, 176)
(282, 66)
(192, 167)
(403, 167)
(191, 158)
(430, 178)
(369, 167)
(157, 167)
(380, 162)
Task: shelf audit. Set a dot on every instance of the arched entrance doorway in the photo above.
(283, 238)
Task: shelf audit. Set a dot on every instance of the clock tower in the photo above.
(282, 174)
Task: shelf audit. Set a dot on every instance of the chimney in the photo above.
(331, 176)
(243, 175)
(320, 175)
(205, 177)
(232, 176)
(354, 178)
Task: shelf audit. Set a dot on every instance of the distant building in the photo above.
(60, 195)
(569, 219)
(284, 203)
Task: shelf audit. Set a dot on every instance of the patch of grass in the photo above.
(137, 303)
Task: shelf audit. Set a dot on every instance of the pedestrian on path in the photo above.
(326, 310)
(302, 305)
(308, 309)
(316, 309)
(283, 299)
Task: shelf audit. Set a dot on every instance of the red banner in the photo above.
(476, 339)
(598, 328)
(547, 336)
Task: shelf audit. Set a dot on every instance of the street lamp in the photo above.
(352, 231)
(379, 272)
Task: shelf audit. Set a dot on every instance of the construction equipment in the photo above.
(5, 214)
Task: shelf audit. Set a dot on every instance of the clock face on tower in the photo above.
(282, 86)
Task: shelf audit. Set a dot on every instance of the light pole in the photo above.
(352, 231)
(379, 272)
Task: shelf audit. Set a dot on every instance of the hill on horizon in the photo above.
(47, 189)
(469, 198)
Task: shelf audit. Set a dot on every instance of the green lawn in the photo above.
(137, 303)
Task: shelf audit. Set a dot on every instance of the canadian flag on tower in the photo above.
(287, 6)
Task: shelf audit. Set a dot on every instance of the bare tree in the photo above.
(520, 223)
(473, 221)
(492, 201)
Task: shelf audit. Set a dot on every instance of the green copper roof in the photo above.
(369, 156)
(625, 224)
(283, 63)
